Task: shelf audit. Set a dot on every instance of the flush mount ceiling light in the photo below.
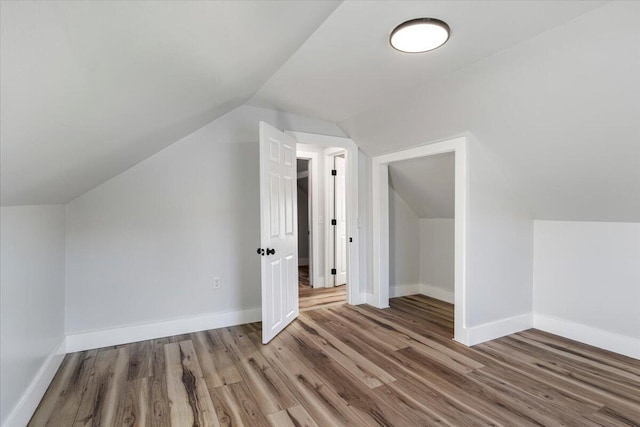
(419, 35)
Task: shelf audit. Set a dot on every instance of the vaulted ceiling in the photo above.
(347, 66)
(426, 184)
(90, 88)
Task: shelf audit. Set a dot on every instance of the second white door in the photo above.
(340, 232)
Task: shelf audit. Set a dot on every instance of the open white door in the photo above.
(278, 230)
(341, 221)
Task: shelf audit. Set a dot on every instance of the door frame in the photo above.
(380, 218)
(314, 250)
(354, 295)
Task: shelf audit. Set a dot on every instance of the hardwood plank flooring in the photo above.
(313, 299)
(303, 277)
(346, 366)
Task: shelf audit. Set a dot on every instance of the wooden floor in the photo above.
(303, 277)
(313, 299)
(346, 365)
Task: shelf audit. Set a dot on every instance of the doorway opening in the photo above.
(304, 224)
(421, 237)
(322, 226)
(381, 227)
(278, 248)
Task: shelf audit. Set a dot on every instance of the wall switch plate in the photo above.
(216, 283)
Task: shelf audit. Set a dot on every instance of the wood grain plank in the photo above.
(523, 365)
(136, 409)
(158, 405)
(356, 363)
(429, 347)
(410, 386)
(186, 387)
(217, 364)
(139, 360)
(235, 406)
(268, 389)
(369, 408)
(66, 389)
(325, 406)
(576, 374)
(296, 416)
(103, 400)
(345, 322)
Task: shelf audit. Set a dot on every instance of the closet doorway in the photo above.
(380, 203)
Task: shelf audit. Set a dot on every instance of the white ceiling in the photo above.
(88, 89)
(553, 122)
(347, 66)
(426, 184)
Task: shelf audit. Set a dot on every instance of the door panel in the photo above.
(289, 186)
(279, 231)
(341, 221)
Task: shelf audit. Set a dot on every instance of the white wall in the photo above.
(552, 125)
(588, 273)
(437, 246)
(145, 246)
(499, 243)
(557, 115)
(32, 295)
(404, 244)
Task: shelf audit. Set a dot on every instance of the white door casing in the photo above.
(340, 229)
(380, 218)
(278, 230)
(354, 294)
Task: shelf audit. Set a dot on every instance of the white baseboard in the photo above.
(422, 289)
(404, 290)
(606, 340)
(372, 301)
(26, 406)
(368, 298)
(318, 282)
(438, 293)
(500, 328)
(127, 334)
(359, 298)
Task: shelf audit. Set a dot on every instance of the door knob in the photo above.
(271, 251)
(260, 251)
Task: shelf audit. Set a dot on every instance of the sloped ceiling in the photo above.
(88, 88)
(426, 184)
(347, 66)
(556, 115)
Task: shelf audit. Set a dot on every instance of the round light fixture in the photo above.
(419, 35)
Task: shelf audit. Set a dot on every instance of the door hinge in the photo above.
(334, 172)
(334, 222)
(334, 271)
(350, 239)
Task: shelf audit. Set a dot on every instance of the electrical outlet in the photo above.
(216, 283)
